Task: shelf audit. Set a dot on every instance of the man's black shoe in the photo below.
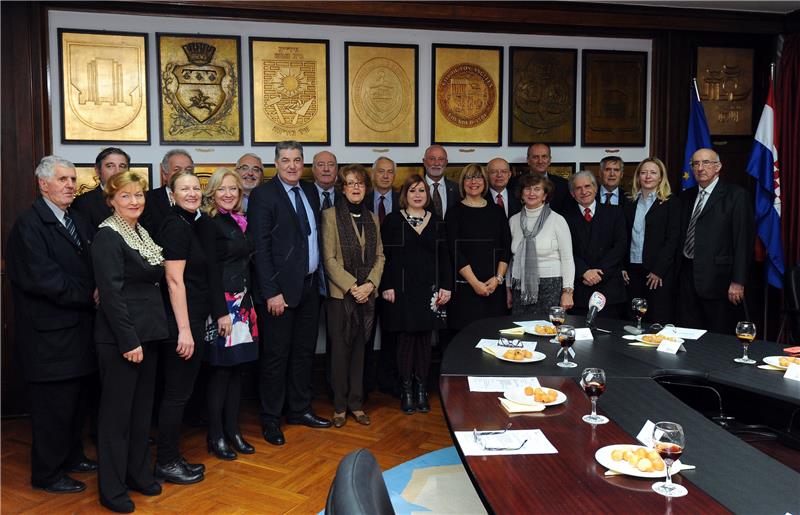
(65, 485)
(239, 444)
(150, 491)
(196, 468)
(309, 419)
(85, 465)
(176, 472)
(273, 434)
(123, 506)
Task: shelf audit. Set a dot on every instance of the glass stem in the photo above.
(594, 407)
(668, 482)
(745, 351)
(638, 323)
(566, 355)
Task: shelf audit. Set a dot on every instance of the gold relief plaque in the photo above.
(381, 92)
(103, 87)
(199, 85)
(467, 95)
(88, 179)
(290, 90)
(542, 96)
(725, 84)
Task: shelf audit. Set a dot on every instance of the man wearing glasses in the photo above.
(717, 225)
(498, 191)
(251, 170)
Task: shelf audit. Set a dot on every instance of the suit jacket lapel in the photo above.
(716, 195)
(284, 196)
(48, 217)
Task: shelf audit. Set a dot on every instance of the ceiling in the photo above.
(779, 7)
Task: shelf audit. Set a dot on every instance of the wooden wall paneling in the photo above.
(25, 139)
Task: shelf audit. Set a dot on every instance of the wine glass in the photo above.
(746, 332)
(566, 337)
(558, 316)
(639, 307)
(669, 441)
(593, 382)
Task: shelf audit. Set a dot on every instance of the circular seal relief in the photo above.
(466, 95)
(381, 94)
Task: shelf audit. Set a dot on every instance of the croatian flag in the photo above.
(764, 167)
(698, 136)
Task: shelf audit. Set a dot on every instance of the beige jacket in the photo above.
(340, 280)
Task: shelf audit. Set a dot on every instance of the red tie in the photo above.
(587, 214)
(500, 201)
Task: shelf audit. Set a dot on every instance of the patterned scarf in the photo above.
(138, 239)
(524, 270)
(355, 262)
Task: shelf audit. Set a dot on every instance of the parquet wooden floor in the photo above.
(293, 478)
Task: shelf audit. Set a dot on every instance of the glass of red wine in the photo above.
(566, 337)
(593, 382)
(639, 308)
(669, 441)
(746, 332)
(558, 316)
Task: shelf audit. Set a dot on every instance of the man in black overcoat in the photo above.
(92, 205)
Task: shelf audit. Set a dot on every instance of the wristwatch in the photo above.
(500, 279)
(567, 290)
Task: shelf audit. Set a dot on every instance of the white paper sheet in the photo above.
(686, 333)
(537, 443)
(500, 384)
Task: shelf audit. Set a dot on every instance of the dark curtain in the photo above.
(788, 107)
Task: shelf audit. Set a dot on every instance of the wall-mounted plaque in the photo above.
(199, 88)
(381, 93)
(289, 90)
(88, 179)
(467, 95)
(542, 96)
(614, 98)
(103, 81)
(725, 84)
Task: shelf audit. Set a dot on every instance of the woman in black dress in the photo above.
(188, 303)
(129, 328)
(654, 231)
(416, 283)
(224, 230)
(480, 245)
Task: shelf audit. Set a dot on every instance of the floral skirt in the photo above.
(241, 345)
(549, 295)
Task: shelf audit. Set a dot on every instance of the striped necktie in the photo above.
(73, 232)
(688, 247)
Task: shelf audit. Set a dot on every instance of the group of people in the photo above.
(144, 285)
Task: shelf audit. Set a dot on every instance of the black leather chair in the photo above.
(791, 311)
(358, 488)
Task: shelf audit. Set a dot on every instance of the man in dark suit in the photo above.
(92, 205)
(283, 220)
(611, 170)
(498, 192)
(325, 167)
(159, 201)
(539, 160)
(382, 175)
(718, 233)
(599, 245)
(444, 192)
(251, 171)
(50, 270)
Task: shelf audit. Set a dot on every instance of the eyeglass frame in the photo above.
(476, 436)
(247, 169)
(702, 164)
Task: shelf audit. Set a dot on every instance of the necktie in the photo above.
(500, 201)
(587, 214)
(437, 201)
(688, 247)
(171, 198)
(73, 232)
(381, 209)
(326, 202)
(301, 211)
(608, 197)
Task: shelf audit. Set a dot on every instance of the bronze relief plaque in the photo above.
(725, 84)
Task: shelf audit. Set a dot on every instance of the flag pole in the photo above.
(766, 282)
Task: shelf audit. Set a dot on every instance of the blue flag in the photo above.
(764, 167)
(697, 137)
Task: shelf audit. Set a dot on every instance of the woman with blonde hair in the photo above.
(229, 247)
(653, 220)
(479, 242)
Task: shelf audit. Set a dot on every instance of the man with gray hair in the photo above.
(599, 245)
(612, 169)
(159, 201)
(384, 199)
(251, 170)
(50, 270)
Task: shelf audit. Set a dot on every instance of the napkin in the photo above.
(515, 407)
(490, 351)
(770, 367)
(516, 331)
(675, 469)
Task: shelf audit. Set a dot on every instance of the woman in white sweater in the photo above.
(542, 269)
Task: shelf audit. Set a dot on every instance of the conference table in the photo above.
(730, 475)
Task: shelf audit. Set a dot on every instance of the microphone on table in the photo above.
(596, 303)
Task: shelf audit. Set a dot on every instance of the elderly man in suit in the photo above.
(498, 192)
(599, 244)
(324, 168)
(50, 270)
(92, 205)
(539, 160)
(283, 220)
(251, 170)
(611, 171)
(717, 228)
(444, 192)
(159, 201)
(383, 199)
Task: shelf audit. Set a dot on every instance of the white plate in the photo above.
(499, 351)
(530, 328)
(518, 395)
(603, 457)
(773, 360)
(640, 338)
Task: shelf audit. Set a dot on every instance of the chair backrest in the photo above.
(791, 292)
(358, 488)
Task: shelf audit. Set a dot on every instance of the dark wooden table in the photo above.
(730, 476)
